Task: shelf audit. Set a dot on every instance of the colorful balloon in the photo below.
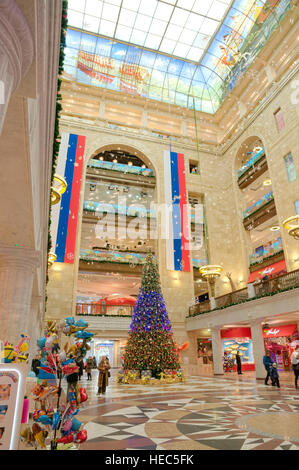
(66, 439)
(83, 395)
(81, 436)
(67, 425)
(76, 424)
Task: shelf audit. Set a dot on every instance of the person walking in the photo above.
(103, 379)
(295, 364)
(267, 361)
(274, 375)
(72, 383)
(239, 363)
(80, 364)
(88, 368)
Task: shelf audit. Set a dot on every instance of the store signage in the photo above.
(274, 268)
(272, 331)
(278, 331)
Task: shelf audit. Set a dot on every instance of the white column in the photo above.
(217, 351)
(251, 291)
(258, 348)
(36, 324)
(16, 51)
(17, 269)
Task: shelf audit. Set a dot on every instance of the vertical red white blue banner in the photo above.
(177, 244)
(65, 214)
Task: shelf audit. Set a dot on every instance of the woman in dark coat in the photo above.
(239, 363)
(103, 367)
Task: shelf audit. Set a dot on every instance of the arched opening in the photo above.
(118, 230)
(259, 216)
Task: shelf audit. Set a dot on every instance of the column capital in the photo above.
(19, 257)
(256, 322)
(16, 39)
(214, 328)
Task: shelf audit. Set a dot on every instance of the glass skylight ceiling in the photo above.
(183, 52)
(182, 28)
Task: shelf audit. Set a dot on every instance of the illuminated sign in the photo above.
(12, 391)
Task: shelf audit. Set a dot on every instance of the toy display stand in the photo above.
(12, 391)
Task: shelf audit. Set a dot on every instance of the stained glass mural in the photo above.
(203, 82)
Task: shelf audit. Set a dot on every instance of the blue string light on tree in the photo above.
(150, 344)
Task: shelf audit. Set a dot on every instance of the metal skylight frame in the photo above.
(177, 6)
(214, 81)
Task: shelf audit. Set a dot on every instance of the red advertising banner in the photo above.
(274, 268)
(276, 331)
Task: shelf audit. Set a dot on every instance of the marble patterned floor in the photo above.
(204, 413)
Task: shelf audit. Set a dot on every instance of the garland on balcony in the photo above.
(251, 166)
(102, 315)
(266, 258)
(90, 261)
(56, 141)
(243, 301)
(259, 208)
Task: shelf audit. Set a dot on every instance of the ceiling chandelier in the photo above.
(58, 188)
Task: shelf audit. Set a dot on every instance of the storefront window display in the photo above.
(204, 350)
(233, 340)
(281, 341)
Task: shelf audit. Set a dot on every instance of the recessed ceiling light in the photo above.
(267, 182)
(275, 228)
(114, 161)
(130, 163)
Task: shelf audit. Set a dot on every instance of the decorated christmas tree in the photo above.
(150, 344)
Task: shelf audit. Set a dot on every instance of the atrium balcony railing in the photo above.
(258, 205)
(199, 308)
(104, 256)
(232, 298)
(253, 160)
(261, 288)
(131, 211)
(103, 309)
(120, 167)
(268, 252)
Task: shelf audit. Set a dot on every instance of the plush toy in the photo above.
(9, 354)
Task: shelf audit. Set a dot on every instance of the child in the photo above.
(274, 375)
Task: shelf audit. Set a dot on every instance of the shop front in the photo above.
(281, 341)
(204, 350)
(233, 340)
(100, 348)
